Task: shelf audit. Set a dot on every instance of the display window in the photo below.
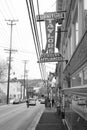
(76, 80)
(85, 76)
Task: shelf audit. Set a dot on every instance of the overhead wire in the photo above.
(39, 23)
(18, 34)
(2, 10)
(19, 50)
(9, 9)
(35, 26)
(13, 9)
(8, 14)
(36, 31)
(33, 35)
(44, 67)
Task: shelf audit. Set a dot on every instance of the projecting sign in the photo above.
(50, 34)
(50, 15)
(46, 55)
(55, 57)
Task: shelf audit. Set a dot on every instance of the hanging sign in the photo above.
(55, 57)
(50, 34)
(46, 55)
(50, 15)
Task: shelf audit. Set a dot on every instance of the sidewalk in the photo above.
(50, 121)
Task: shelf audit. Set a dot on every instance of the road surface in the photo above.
(19, 117)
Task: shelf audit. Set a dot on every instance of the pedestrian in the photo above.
(52, 102)
(27, 103)
(63, 116)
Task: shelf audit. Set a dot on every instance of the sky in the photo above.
(22, 39)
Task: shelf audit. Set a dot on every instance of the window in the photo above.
(85, 4)
(76, 29)
(71, 45)
(85, 76)
(76, 80)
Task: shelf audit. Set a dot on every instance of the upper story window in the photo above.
(76, 80)
(85, 76)
(85, 4)
(70, 45)
(76, 29)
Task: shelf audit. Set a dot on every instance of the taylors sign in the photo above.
(50, 34)
(55, 57)
(46, 55)
(50, 15)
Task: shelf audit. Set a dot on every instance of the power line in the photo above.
(44, 67)
(35, 26)
(36, 31)
(33, 35)
(9, 9)
(4, 9)
(40, 23)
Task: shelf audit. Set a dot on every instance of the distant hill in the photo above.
(32, 83)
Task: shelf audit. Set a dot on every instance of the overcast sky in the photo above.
(22, 39)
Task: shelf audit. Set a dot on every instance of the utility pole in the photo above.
(25, 62)
(10, 51)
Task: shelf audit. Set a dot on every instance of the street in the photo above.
(19, 117)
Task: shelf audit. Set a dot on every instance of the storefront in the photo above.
(73, 46)
(76, 108)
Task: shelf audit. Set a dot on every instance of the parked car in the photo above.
(16, 101)
(32, 101)
(23, 100)
(11, 101)
(42, 101)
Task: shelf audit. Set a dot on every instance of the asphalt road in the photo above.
(19, 117)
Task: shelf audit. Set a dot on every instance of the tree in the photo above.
(3, 70)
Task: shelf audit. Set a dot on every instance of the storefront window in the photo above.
(71, 44)
(85, 76)
(76, 26)
(76, 80)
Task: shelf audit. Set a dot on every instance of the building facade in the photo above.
(72, 75)
(15, 89)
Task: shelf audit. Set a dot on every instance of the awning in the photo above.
(80, 91)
